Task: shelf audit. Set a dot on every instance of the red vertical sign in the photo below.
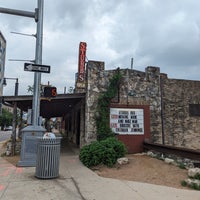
(81, 63)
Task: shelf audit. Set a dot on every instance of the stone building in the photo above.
(168, 108)
(148, 106)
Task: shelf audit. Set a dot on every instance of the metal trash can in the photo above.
(47, 159)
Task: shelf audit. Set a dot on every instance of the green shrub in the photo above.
(183, 183)
(104, 152)
(109, 157)
(91, 155)
(182, 166)
(116, 145)
(197, 176)
(195, 186)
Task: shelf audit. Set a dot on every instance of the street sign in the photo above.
(36, 68)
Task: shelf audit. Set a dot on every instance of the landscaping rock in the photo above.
(150, 153)
(122, 161)
(193, 172)
(191, 182)
(189, 165)
(169, 160)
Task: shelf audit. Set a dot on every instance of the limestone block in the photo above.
(192, 181)
(193, 172)
(150, 153)
(122, 161)
(169, 160)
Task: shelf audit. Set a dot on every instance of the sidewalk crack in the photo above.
(78, 189)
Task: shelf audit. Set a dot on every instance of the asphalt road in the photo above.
(5, 135)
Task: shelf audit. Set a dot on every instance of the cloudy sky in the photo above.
(154, 32)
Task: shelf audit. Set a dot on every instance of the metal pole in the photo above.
(14, 123)
(19, 12)
(131, 63)
(38, 60)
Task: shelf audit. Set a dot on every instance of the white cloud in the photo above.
(153, 32)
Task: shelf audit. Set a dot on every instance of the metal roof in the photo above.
(49, 107)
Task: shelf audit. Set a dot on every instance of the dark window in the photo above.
(194, 109)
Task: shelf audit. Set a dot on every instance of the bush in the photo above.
(195, 186)
(182, 166)
(91, 155)
(104, 152)
(183, 183)
(109, 157)
(116, 145)
(197, 176)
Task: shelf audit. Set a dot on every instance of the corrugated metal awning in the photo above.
(49, 107)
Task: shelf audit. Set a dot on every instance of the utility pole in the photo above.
(38, 60)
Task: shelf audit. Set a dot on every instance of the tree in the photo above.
(6, 118)
(30, 89)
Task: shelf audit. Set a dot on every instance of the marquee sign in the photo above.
(127, 121)
(81, 62)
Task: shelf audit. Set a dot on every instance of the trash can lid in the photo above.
(49, 135)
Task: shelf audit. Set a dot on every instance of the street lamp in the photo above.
(14, 122)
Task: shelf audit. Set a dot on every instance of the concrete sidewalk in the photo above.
(78, 182)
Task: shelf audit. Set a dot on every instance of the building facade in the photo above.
(150, 106)
(2, 60)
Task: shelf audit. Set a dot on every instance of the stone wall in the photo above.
(94, 87)
(168, 99)
(143, 88)
(180, 128)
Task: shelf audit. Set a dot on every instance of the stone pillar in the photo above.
(94, 76)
